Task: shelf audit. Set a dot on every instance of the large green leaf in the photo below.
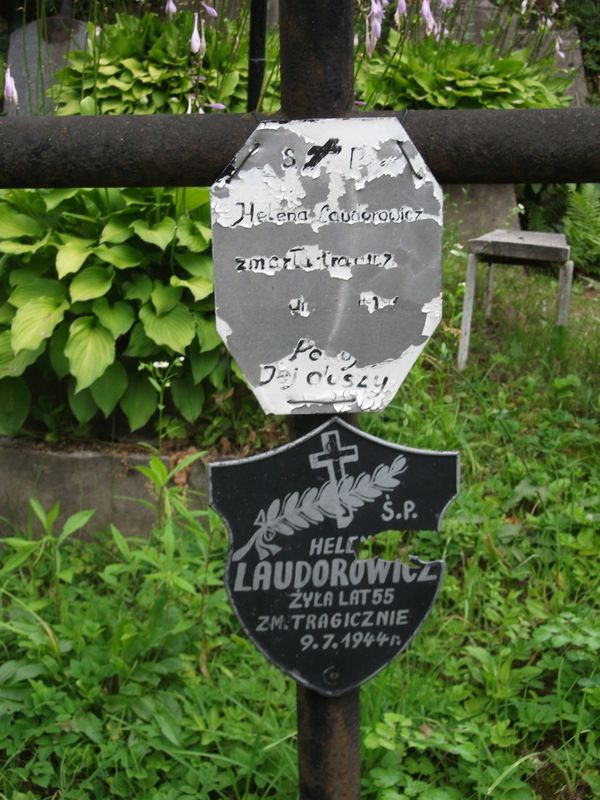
(164, 298)
(109, 388)
(11, 247)
(202, 364)
(11, 365)
(188, 398)
(229, 84)
(139, 401)
(200, 266)
(117, 318)
(14, 225)
(15, 400)
(54, 197)
(88, 107)
(175, 329)
(121, 256)
(27, 273)
(90, 350)
(199, 287)
(91, 283)
(39, 287)
(71, 256)
(117, 230)
(193, 236)
(140, 346)
(194, 197)
(58, 342)
(138, 287)
(218, 375)
(207, 334)
(35, 322)
(160, 235)
(81, 403)
(7, 312)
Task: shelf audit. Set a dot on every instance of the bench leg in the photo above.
(564, 292)
(489, 288)
(465, 328)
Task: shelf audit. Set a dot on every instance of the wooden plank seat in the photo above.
(529, 248)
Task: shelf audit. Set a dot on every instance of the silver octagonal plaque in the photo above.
(327, 242)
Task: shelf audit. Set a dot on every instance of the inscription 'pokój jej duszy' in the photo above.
(327, 252)
(296, 516)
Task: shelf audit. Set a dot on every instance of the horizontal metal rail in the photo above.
(479, 146)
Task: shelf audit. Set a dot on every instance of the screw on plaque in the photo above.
(331, 675)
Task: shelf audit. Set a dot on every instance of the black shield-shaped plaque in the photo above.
(295, 517)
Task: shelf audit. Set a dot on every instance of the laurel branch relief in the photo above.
(299, 511)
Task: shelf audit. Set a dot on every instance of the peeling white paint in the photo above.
(278, 198)
(337, 189)
(373, 302)
(360, 138)
(270, 193)
(223, 328)
(433, 309)
(299, 307)
(367, 163)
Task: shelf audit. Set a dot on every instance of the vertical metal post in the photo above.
(317, 80)
(328, 745)
(317, 58)
(328, 727)
(256, 64)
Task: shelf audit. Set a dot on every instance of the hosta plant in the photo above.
(145, 66)
(93, 283)
(431, 74)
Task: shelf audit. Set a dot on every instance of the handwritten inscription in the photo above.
(352, 158)
(307, 204)
(299, 307)
(310, 258)
(249, 215)
(308, 367)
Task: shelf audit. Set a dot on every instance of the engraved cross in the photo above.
(333, 458)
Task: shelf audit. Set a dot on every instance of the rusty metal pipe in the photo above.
(328, 727)
(328, 745)
(512, 146)
(483, 146)
(160, 150)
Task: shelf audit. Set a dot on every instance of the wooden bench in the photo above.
(513, 247)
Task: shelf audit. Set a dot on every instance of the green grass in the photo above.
(124, 674)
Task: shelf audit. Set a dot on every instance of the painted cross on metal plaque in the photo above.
(296, 516)
(327, 242)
